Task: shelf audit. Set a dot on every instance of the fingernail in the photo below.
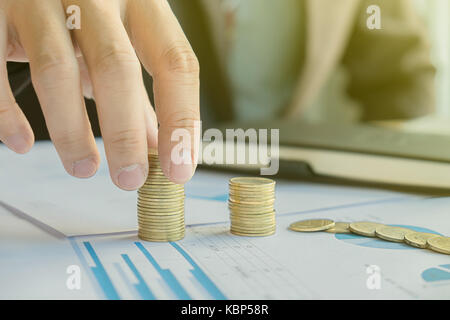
(131, 178)
(181, 173)
(17, 143)
(84, 168)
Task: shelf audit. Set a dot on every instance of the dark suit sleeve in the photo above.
(390, 69)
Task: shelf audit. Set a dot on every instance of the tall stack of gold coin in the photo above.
(251, 203)
(160, 206)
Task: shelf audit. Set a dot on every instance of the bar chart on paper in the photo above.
(128, 269)
(123, 267)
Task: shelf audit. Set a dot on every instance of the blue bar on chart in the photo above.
(101, 275)
(166, 274)
(141, 287)
(200, 275)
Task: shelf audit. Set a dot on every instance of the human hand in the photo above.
(101, 59)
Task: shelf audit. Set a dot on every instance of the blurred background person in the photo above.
(309, 59)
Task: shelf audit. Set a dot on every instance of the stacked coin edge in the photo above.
(251, 205)
(160, 206)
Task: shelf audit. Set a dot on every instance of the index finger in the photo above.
(167, 55)
(118, 90)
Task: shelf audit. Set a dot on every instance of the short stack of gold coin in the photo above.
(160, 206)
(251, 202)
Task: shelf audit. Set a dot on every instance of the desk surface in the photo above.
(51, 222)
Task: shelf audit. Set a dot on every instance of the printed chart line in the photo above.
(101, 275)
(141, 287)
(198, 273)
(166, 274)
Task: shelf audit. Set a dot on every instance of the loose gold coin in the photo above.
(393, 234)
(339, 227)
(419, 239)
(364, 228)
(439, 244)
(312, 225)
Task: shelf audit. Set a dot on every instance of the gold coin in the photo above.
(154, 181)
(252, 189)
(161, 230)
(239, 181)
(161, 196)
(169, 238)
(151, 222)
(312, 225)
(439, 244)
(171, 224)
(244, 234)
(419, 239)
(244, 196)
(252, 193)
(158, 193)
(161, 226)
(160, 211)
(160, 215)
(389, 233)
(158, 188)
(252, 215)
(160, 205)
(339, 227)
(175, 219)
(252, 219)
(253, 228)
(249, 207)
(161, 219)
(162, 233)
(253, 234)
(365, 228)
(251, 180)
(164, 202)
(252, 202)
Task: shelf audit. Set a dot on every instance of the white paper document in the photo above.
(76, 239)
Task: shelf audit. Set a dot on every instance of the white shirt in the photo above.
(264, 54)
